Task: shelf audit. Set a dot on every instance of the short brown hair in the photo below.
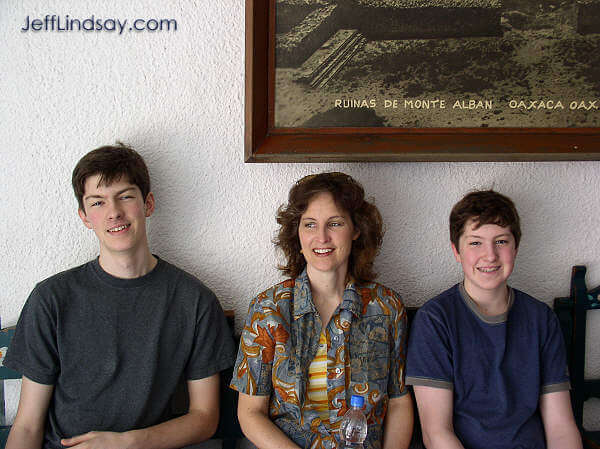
(484, 207)
(111, 162)
(349, 195)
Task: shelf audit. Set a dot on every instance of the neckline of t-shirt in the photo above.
(113, 281)
(488, 319)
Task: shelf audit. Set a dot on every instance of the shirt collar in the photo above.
(489, 319)
(351, 299)
(303, 302)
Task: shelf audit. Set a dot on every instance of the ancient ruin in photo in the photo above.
(437, 63)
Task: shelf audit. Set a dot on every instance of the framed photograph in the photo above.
(422, 80)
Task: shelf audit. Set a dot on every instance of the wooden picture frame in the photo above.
(264, 142)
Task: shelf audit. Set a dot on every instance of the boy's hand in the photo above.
(98, 440)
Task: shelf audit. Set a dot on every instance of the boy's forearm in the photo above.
(570, 437)
(441, 440)
(27, 432)
(191, 428)
(23, 438)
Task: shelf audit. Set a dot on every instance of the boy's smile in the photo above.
(487, 254)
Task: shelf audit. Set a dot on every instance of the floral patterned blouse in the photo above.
(366, 341)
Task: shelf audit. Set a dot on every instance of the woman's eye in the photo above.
(334, 224)
(309, 225)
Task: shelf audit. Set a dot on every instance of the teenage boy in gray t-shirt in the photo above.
(102, 347)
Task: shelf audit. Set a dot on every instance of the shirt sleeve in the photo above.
(429, 361)
(254, 363)
(33, 350)
(554, 358)
(396, 383)
(213, 349)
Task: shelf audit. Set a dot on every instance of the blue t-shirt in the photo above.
(497, 366)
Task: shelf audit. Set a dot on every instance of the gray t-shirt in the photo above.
(115, 349)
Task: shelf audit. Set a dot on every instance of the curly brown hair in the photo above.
(484, 207)
(349, 195)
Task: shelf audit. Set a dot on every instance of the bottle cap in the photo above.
(357, 401)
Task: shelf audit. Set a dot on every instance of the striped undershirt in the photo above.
(317, 381)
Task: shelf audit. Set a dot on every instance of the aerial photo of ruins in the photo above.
(437, 63)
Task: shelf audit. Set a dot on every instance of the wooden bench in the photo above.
(570, 311)
(229, 429)
(572, 314)
(5, 375)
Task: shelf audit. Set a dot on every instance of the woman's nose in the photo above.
(323, 234)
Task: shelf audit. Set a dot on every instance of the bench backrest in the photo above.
(229, 428)
(7, 377)
(572, 314)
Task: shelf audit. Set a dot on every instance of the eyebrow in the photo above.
(507, 234)
(330, 218)
(120, 192)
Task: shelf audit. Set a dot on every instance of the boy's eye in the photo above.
(474, 243)
(501, 242)
(96, 203)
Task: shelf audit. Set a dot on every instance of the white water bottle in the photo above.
(353, 429)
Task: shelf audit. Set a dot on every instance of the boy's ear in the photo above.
(149, 204)
(84, 218)
(456, 253)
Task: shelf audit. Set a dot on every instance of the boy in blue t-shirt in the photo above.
(487, 361)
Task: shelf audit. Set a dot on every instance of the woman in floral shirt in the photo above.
(328, 332)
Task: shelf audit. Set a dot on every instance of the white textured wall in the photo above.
(178, 98)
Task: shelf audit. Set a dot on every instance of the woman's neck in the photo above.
(327, 289)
